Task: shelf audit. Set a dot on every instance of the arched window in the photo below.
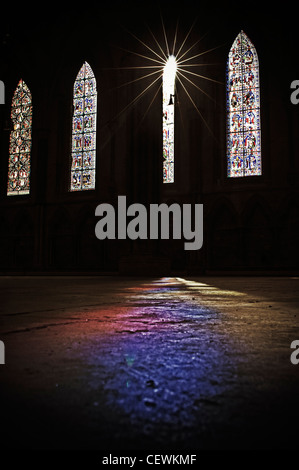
(20, 142)
(168, 119)
(243, 110)
(83, 167)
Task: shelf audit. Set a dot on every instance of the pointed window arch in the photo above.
(83, 167)
(20, 142)
(169, 74)
(243, 109)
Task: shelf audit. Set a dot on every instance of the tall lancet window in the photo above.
(243, 109)
(168, 119)
(20, 142)
(83, 167)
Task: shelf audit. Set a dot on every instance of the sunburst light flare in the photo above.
(163, 66)
(165, 61)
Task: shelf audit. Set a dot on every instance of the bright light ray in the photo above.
(196, 86)
(188, 50)
(198, 55)
(199, 65)
(175, 37)
(200, 76)
(187, 35)
(144, 44)
(149, 106)
(139, 96)
(191, 47)
(139, 78)
(161, 61)
(196, 108)
(165, 37)
(136, 67)
(165, 56)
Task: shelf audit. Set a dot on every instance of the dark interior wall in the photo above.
(249, 223)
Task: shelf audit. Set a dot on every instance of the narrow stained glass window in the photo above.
(20, 142)
(84, 130)
(243, 110)
(168, 119)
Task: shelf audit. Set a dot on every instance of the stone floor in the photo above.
(115, 363)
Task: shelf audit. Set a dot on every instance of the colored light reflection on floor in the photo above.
(160, 365)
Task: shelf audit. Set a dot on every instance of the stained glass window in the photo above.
(243, 108)
(168, 119)
(20, 142)
(83, 167)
